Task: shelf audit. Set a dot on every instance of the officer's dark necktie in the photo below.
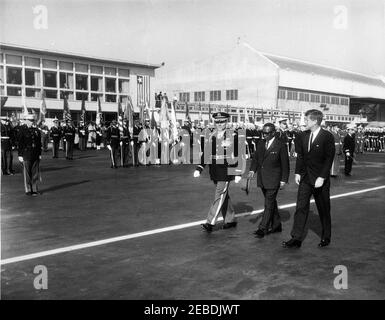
(310, 142)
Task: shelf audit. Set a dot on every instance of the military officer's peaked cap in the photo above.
(221, 116)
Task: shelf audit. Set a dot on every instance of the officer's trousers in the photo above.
(222, 204)
(31, 175)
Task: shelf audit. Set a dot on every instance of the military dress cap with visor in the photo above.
(221, 117)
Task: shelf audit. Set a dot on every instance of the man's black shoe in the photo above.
(259, 233)
(277, 229)
(292, 243)
(207, 227)
(230, 225)
(28, 193)
(324, 243)
(34, 194)
(348, 174)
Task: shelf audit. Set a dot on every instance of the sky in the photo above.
(348, 34)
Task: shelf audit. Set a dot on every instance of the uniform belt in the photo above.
(124, 137)
(336, 143)
(4, 137)
(114, 136)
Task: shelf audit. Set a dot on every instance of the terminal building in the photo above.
(26, 72)
(258, 86)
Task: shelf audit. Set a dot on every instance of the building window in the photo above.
(11, 59)
(345, 101)
(66, 66)
(32, 62)
(32, 77)
(110, 85)
(80, 67)
(81, 82)
(14, 91)
(94, 96)
(231, 94)
(97, 69)
(110, 97)
(110, 71)
(292, 95)
(1, 74)
(96, 84)
(335, 100)
(124, 73)
(51, 94)
(199, 96)
(66, 80)
(234, 118)
(51, 64)
(184, 96)
(68, 94)
(281, 94)
(215, 95)
(81, 96)
(49, 79)
(124, 86)
(35, 93)
(315, 98)
(13, 75)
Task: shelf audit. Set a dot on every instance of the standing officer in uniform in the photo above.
(336, 161)
(219, 175)
(55, 134)
(30, 154)
(69, 138)
(349, 147)
(312, 173)
(83, 134)
(44, 135)
(136, 145)
(113, 134)
(271, 161)
(7, 141)
(125, 144)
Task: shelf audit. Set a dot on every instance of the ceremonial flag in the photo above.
(83, 111)
(120, 109)
(43, 107)
(24, 104)
(164, 115)
(187, 111)
(210, 113)
(246, 116)
(66, 109)
(129, 114)
(3, 101)
(99, 116)
(173, 121)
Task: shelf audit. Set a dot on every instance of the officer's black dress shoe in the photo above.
(348, 174)
(28, 193)
(34, 194)
(230, 225)
(277, 229)
(292, 243)
(259, 233)
(324, 243)
(207, 227)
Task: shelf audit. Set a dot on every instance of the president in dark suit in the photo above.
(312, 173)
(271, 162)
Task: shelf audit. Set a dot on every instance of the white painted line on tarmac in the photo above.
(155, 231)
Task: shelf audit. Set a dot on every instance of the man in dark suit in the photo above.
(113, 140)
(271, 161)
(312, 173)
(349, 148)
(219, 172)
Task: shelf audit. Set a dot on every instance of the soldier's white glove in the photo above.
(109, 147)
(251, 174)
(121, 143)
(196, 173)
(297, 178)
(348, 154)
(237, 179)
(132, 143)
(319, 182)
(21, 159)
(39, 157)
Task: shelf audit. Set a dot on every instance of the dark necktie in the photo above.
(310, 141)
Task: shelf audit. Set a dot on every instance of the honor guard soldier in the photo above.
(219, 174)
(125, 144)
(113, 142)
(281, 133)
(335, 169)
(44, 135)
(55, 134)
(83, 134)
(360, 139)
(69, 137)
(136, 145)
(7, 141)
(30, 154)
(348, 148)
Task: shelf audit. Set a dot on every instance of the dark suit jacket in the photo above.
(318, 161)
(349, 144)
(29, 143)
(272, 165)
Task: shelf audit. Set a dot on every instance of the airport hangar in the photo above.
(26, 72)
(246, 80)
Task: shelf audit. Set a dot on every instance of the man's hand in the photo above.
(297, 178)
(250, 175)
(196, 173)
(121, 143)
(39, 157)
(21, 159)
(319, 182)
(348, 154)
(237, 179)
(109, 147)
(282, 184)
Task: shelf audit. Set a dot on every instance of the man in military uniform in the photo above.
(282, 134)
(7, 141)
(29, 151)
(113, 143)
(69, 137)
(136, 145)
(336, 162)
(360, 137)
(44, 135)
(125, 144)
(348, 148)
(219, 174)
(55, 134)
(83, 134)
